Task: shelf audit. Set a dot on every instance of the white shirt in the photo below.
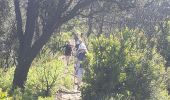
(82, 46)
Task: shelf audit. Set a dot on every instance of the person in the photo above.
(82, 50)
(68, 51)
(81, 53)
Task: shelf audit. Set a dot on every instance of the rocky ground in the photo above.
(69, 95)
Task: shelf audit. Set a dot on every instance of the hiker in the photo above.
(82, 50)
(81, 53)
(68, 52)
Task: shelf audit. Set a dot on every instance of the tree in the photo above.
(133, 14)
(7, 38)
(43, 18)
(100, 15)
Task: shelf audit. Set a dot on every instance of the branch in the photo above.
(76, 10)
(32, 14)
(68, 5)
(19, 20)
(60, 7)
(149, 3)
(123, 5)
(54, 18)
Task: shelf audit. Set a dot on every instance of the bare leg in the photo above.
(67, 59)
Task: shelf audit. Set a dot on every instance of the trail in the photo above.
(65, 94)
(69, 95)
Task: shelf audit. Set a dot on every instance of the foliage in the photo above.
(164, 41)
(45, 77)
(74, 25)
(8, 39)
(49, 74)
(56, 43)
(124, 65)
(46, 98)
(6, 78)
(4, 95)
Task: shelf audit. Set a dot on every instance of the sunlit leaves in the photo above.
(123, 62)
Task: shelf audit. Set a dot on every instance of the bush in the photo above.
(6, 78)
(4, 95)
(124, 66)
(46, 77)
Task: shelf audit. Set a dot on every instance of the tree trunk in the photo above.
(25, 56)
(90, 19)
(21, 72)
(101, 24)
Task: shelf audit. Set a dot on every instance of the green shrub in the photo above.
(19, 95)
(46, 77)
(46, 98)
(6, 78)
(124, 66)
(3, 95)
(68, 79)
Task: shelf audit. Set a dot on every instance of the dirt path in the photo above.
(65, 94)
(69, 95)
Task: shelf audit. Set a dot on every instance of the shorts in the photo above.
(67, 54)
(81, 56)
